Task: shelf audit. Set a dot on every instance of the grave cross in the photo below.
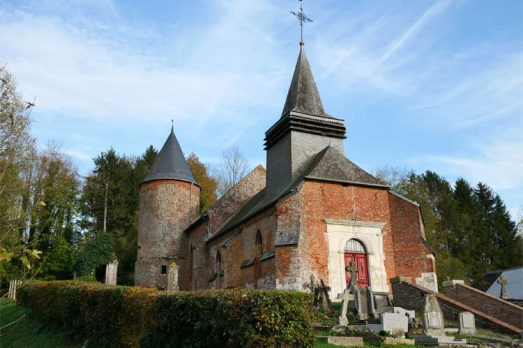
(503, 282)
(353, 269)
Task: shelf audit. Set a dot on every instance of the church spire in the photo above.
(170, 164)
(303, 95)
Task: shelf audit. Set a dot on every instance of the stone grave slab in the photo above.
(342, 340)
(467, 324)
(391, 341)
(437, 340)
(375, 327)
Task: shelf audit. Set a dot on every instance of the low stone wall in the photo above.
(411, 296)
(488, 304)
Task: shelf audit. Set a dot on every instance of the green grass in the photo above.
(26, 332)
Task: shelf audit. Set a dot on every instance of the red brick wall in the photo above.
(240, 249)
(410, 253)
(336, 201)
(486, 303)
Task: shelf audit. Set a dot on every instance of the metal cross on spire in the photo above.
(302, 18)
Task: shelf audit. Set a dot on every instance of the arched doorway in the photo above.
(355, 251)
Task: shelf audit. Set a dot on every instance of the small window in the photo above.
(164, 269)
(354, 246)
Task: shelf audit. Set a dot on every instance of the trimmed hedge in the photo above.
(118, 316)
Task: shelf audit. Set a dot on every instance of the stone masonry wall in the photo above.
(167, 207)
(412, 258)
(412, 296)
(486, 303)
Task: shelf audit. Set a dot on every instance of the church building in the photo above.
(310, 212)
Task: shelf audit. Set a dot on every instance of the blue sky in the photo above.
(421, 84)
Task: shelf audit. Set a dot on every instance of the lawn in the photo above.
(19, 331)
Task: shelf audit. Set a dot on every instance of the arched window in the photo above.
(218, 266)
(191, 263)
(354, 246)
(259, 253)
(218, 270)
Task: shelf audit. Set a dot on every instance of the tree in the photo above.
(396, 177)
(17, 161)
(201, 175)
(233, 167)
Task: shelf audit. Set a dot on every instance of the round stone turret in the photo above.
(169, 202)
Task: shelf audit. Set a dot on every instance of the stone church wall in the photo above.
(228, 204)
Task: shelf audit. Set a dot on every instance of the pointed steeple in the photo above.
(303, 95)
(170, 164)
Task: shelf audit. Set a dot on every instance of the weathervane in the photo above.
(302, 18)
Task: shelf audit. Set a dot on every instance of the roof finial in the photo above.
(172, 125)
(302, 18)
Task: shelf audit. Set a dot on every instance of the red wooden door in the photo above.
(361, 262)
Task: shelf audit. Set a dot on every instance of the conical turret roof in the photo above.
(303, 95)
(170, 164)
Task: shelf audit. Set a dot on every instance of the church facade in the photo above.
(310, 212)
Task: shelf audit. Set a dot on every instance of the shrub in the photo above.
(117, 316)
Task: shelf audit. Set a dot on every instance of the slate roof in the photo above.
(328, 165)
(334, 166)
(514, 278)
(303, 95)
(170, 163)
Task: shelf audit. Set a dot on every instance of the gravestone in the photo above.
(504, 293)
(467, 324)
(345, 300)
(411, 315)
(364, 305)
(432, 317)
(172, 278)
(348, 299)
(360, 300)
(395, 322)
(111, 270)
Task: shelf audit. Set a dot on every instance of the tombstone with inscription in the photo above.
(432, 317)
(467, 324)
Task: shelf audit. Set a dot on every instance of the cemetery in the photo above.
(108, 315)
